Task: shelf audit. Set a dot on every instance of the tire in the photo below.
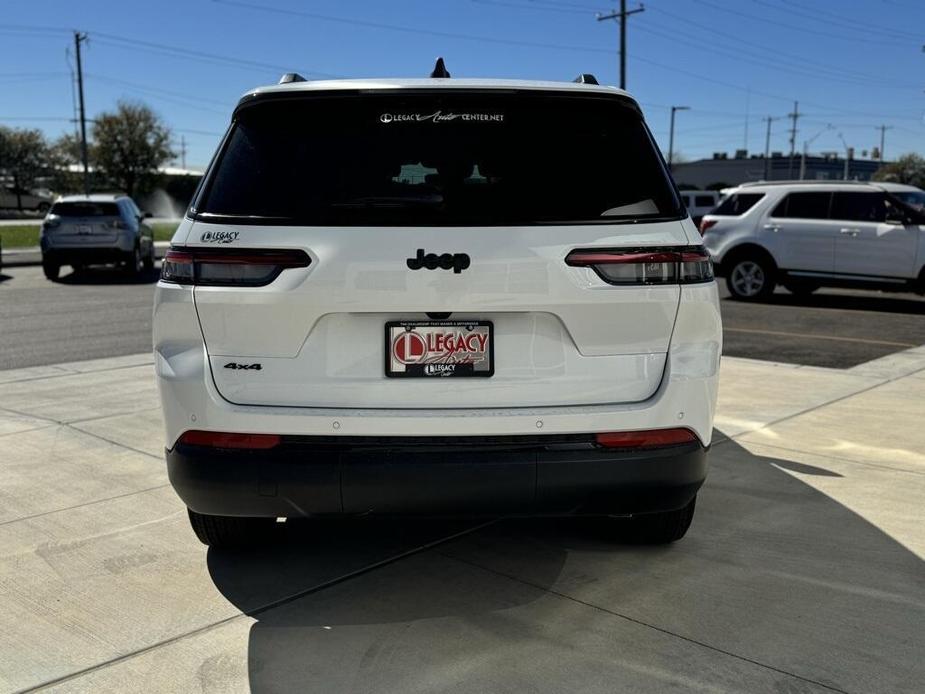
(227, 532)
(51, 270)
(750, 278)
(134, 263)
(801, 288)
(148, 262)
(660, 528)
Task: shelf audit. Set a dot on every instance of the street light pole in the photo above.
(674, 109)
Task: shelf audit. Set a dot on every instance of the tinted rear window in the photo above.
(439, 159)
(737, 204)
(85, 209)
(804, 206)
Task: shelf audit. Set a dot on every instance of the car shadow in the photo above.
(103, 275)
(874, 301)
(775, 577)
(4, 278)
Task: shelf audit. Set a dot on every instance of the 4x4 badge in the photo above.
(457, 262)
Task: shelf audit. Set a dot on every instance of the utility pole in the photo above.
(674, 109)
(621, 15)
(183, 151)
(767, 145)
(78, 39)
(883, 129)
(793, 135)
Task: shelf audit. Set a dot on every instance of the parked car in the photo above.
(85, 230)
(439, 297)
(807, 234)
(699, 202)
(13, 198)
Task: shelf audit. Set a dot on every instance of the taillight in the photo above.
(706, 224)
(647, 266)
(654, 438)
(51, 223)
(220, 439)
(224, 267)
(118, 224)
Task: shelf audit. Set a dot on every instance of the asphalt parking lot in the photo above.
(802, 571)
(102, 313)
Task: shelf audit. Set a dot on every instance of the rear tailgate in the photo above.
(562, 335)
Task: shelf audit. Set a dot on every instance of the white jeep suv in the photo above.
(437, 297)
(809, 234)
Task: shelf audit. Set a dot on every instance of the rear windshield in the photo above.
(737, 204)
(85, 209)
(439, 159)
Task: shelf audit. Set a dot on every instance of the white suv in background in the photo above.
(437, 297)
(809, 234)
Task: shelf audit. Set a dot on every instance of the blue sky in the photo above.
(854, 64)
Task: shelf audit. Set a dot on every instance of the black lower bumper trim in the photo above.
(433, 476)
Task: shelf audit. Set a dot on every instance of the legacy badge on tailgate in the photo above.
(438, 349)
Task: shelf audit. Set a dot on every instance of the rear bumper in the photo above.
(530, 475)
(85, 256)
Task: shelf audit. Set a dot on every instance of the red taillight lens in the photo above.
(229, 267)
(219, 439)
(648, 266)
(655, 438)
(706, 224)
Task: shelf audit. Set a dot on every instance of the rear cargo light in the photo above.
(706, 224)
(219, 439)
(655, 438)
(229, 267)
(646, 266)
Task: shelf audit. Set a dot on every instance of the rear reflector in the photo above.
(229, 267)
(684, 265)
(706, 224)
(219, 439)
(655, 438)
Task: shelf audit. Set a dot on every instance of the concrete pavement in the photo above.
(802, 571)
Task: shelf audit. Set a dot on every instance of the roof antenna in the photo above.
(440, 70)
(290, 77)
(586, 78)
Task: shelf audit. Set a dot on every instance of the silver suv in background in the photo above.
(85, 230)
(809, 234)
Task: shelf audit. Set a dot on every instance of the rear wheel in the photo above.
(230, 531)
(659, 528)
(750, 278)
(133, 265)
(51, 270)
(148, 262)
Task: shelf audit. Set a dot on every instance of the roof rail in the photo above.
(586, 78)
(440, 70)
(290, 77)
(805, 182)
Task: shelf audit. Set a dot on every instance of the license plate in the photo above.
(84, 229)
(439, 349)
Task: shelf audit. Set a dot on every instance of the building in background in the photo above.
(742, 167)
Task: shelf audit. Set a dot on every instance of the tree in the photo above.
(64, 153)
(909, 168)
(130, 144)
(23, 156)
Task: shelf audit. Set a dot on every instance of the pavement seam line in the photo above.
(866, 389)
(259, 610)
(84, 504)
(70, 373)
(834, 457)
(811, 336)
(642, 623)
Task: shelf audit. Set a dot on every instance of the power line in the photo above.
(839, 20)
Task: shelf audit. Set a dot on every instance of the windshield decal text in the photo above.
(441, 117)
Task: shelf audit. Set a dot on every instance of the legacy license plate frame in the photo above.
(439, 349)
